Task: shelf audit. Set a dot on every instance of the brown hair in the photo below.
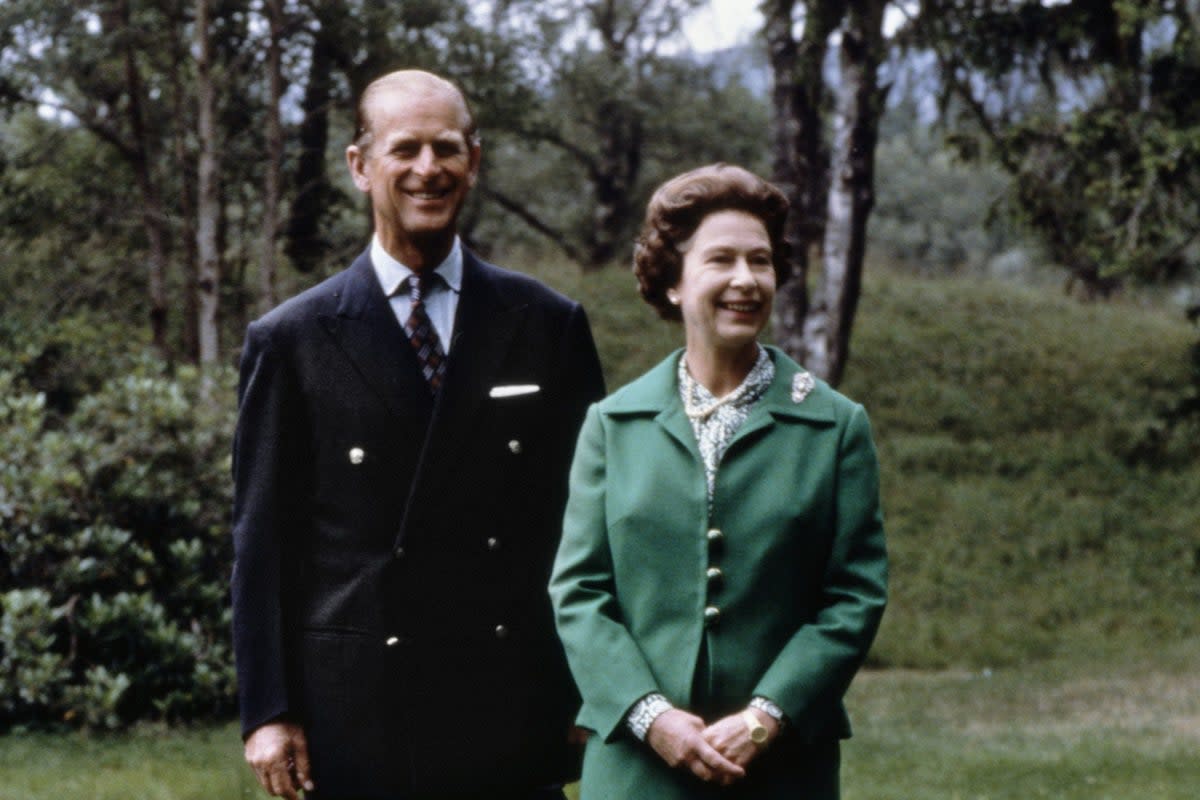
(408, 79)
(679, 206)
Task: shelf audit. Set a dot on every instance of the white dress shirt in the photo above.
(441, 298)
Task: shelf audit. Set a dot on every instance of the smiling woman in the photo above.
(722, 570)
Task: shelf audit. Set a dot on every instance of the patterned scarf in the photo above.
(715, 421)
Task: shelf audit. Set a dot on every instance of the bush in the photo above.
(114, 546)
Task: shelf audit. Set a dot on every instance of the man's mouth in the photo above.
(429, 195)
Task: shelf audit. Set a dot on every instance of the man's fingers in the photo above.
(303, 771)
(282, 784)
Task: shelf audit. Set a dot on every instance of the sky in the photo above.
(722, 23)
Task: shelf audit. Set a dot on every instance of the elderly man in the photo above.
(400, 468)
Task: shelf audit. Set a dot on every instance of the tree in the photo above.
(83, 60)
(208, 202)
(830, 183)
(273, 169)
(609, 111)
(1090, 107)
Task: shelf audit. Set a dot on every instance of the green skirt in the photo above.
(627, 769)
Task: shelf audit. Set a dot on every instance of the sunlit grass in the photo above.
(1127, 726)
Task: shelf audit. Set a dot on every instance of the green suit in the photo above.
(800, 595)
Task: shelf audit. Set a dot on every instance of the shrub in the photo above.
(114, 546)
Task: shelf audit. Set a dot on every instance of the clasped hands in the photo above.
(718, 753)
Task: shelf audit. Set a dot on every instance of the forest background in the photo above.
(996, 202)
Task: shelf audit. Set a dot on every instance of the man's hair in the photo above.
(408, 79)
(679, 206)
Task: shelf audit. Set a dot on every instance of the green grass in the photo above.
(1025, 547)
(1061, 728)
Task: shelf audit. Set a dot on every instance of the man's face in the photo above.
(418, 166)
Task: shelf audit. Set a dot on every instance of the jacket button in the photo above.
(514, 447)
(712, 615)
(501, 631)
(357, 454)
(715, 577)
(493, 544)
(398, 552)
(714, 535)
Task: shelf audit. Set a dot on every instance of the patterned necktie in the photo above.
(422, 335)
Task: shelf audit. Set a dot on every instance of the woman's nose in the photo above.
(742, 274)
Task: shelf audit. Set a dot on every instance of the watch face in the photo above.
(759, 734)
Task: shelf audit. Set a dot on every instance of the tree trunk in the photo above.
(270, 231)
(304, 245)
(187, 211)
(613, 178)
(208, 208)
(798, 143)
(860, 102)
(153, 213)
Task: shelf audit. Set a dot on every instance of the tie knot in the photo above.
(419, 284)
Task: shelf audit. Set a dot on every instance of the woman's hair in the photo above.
(679, 206)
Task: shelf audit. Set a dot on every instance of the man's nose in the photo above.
(426, 163)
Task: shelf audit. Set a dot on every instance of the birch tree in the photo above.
(827, 169)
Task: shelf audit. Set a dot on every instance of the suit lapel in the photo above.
(366, 330)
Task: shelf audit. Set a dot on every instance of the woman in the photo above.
(722, 570)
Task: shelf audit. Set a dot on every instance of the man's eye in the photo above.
(447, 150)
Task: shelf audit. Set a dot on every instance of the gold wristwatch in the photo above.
(758, 731)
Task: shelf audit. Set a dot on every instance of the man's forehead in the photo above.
(418, 100)
(418, 134)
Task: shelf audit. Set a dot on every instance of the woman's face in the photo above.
(727, 284)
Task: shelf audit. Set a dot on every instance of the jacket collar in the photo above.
(657, 392)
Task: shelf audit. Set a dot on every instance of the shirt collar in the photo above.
(392, 274)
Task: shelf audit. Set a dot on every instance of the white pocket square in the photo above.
(514, 390)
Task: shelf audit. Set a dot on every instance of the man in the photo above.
(400, 471)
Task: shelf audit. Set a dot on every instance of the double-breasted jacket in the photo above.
(392, 549)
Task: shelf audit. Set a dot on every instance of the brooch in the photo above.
(802, 384)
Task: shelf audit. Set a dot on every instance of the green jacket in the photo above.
(801, 551)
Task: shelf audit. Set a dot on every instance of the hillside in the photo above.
(1018, 526)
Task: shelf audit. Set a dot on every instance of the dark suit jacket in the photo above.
(392, 553)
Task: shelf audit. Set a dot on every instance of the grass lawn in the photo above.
(1109, 726)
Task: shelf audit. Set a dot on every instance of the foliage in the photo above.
(934, 213)
(114, 547)
(612, 109)
(1087, 106)
(65, 248)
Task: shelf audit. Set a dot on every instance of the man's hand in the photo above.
(676, 736)
(731, 737)
(278, 754)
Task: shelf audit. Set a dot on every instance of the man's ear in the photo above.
(357, 162)
(476, 152)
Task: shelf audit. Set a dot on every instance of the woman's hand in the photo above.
(677, 737)
(730, 736)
